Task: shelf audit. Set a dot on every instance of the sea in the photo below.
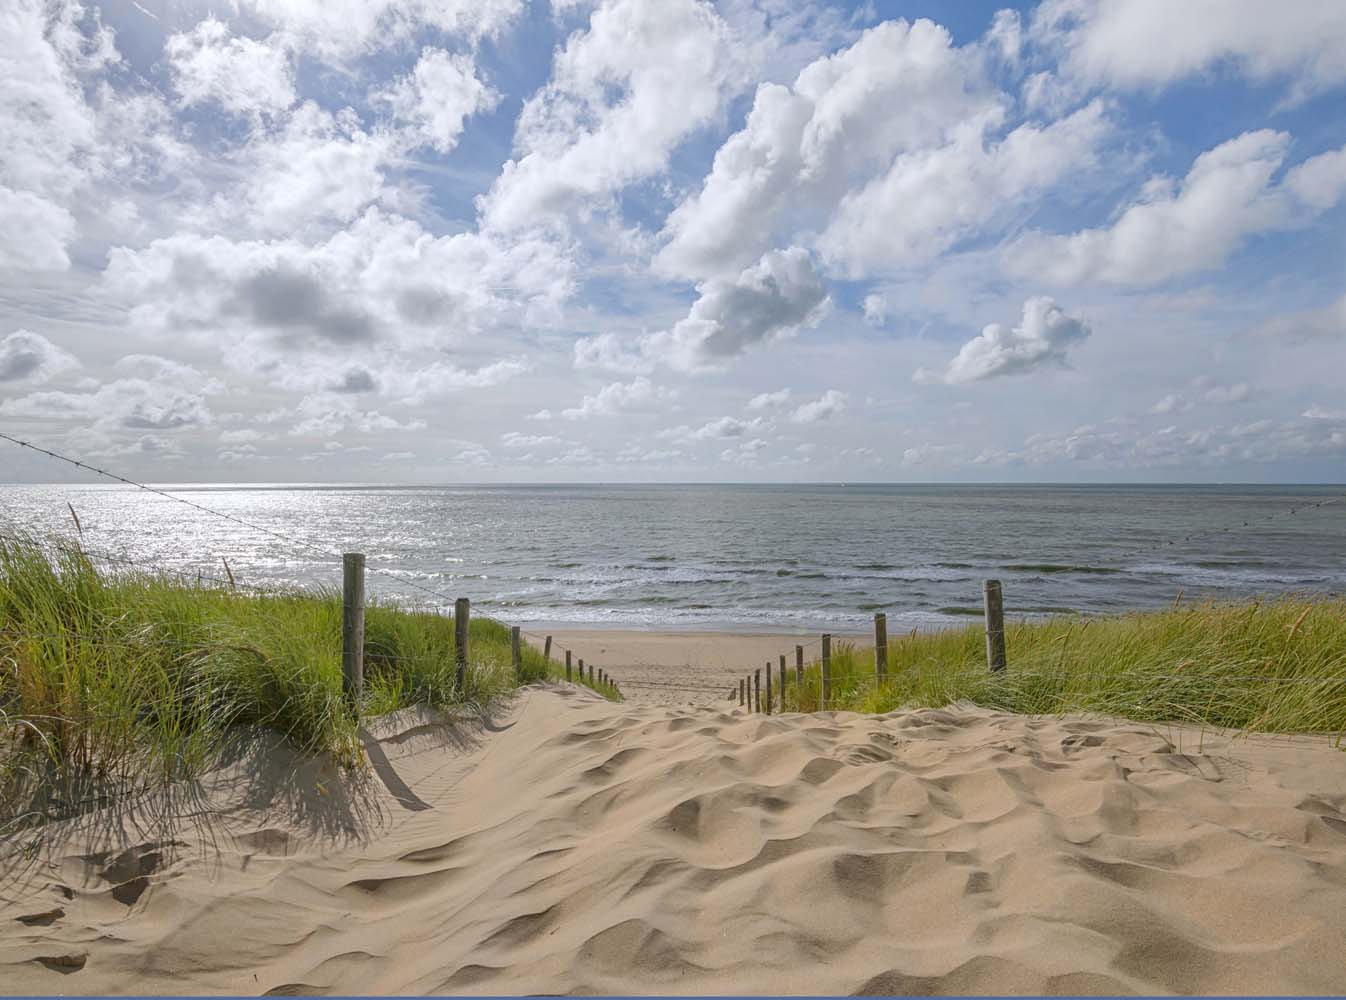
(708, 557)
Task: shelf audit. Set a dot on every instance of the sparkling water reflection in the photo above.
(804, 557)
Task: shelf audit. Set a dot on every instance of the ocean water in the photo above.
(801, 558)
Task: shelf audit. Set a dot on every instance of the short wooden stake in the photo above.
(353, 627)
(462, 614)
(515, 652)
(826, 671)
(757, 690)
(740, 692)
(567, 666)
(995, 625)
(881, 646)
(799, 665)
(782, 682)
(546, 650)
(768, 687)
(581, 670)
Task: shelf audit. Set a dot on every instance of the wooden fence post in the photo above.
(546, 650)
(462, 614)
(740, 692)
(353, 627)
(768, 687)
(826, 671)
(995, 625)
(581, 670)
(880, 646)
(515, 652)
(757, 690)
(799, 665)
(567, 666)
(782, 682)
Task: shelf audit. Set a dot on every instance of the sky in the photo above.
(448, 241)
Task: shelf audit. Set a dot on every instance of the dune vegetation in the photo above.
(1273, 666)
(124, 679)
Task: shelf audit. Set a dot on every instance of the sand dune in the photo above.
(580, 846)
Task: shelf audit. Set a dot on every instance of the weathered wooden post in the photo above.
(353, 627)
(880, 647)
(826, 671)
(799, 665)
(740, 692)
(546, 650)
(462, 614)
(567, 666)
(516, 653)
(581, 670)
(995, 625)
(757, 690)
(768, 687)
(782, 682)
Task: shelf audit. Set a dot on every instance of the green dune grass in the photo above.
(1271, 666)
(122, 680)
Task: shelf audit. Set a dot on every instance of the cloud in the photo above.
(1239, 392)
(875, 309)
(513, 439)
(154, 394)
(321, 169)
(617, 397)
(771, 299)
(1044, 334)
(36, 232)
(1308, 325)
(931, 198)
(338, 32)
(1173, 401)
(608, 351)
(31, 357)
(1171, 230)
(1151, 43)
(433, 101)
(767, 301)
(50, 146)
(723, 427)
(745, 453)
(327, 414)
(826, 406)
(376, 290)
(623, 95)
(243, 76)
(769, 400)
(899, 87)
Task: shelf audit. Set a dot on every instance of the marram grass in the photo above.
(1271, 666)
(124, 680)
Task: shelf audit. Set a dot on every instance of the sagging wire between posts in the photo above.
(297, 543)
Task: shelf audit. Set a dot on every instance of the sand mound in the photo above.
(579, 846)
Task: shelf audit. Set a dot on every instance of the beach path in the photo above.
(572, 845)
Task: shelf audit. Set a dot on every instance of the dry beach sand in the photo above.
(679, 668)
(573, 845)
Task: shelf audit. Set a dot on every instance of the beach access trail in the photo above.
(570, 844)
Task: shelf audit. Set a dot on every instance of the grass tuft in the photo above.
(127, 680)
(1268, 666)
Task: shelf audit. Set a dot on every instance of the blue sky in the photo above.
(492, 240)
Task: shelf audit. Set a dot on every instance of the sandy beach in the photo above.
(681, 668)
(571, 845)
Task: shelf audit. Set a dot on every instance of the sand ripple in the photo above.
(593, 848)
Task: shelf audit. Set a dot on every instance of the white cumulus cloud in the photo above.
(1043, 336)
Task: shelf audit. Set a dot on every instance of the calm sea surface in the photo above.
(758, 557)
